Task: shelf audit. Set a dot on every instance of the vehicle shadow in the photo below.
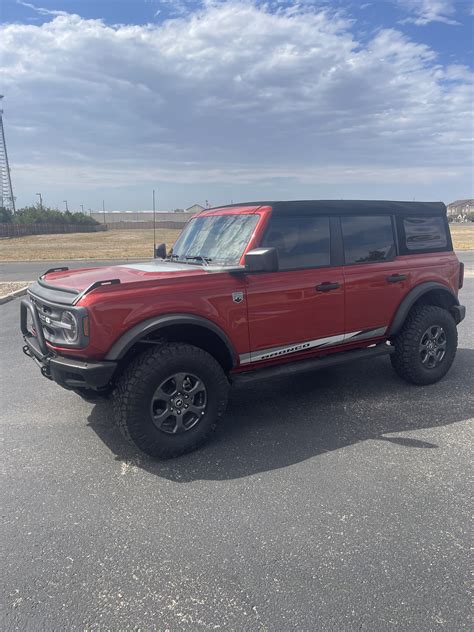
(274, 424)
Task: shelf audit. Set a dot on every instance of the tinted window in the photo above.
(302, 242)
(424, 233)
(367, 238)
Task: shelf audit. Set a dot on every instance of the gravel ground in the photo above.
(11, 286)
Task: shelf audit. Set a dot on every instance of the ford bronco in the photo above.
(249, 291)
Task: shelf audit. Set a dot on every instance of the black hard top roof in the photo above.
(322, 207)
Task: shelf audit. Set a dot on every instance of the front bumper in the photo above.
(67, 372)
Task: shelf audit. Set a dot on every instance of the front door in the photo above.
(301, 307)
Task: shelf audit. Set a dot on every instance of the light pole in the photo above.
(41, 201)
(67, 208)
(103, 209)
(154, 226)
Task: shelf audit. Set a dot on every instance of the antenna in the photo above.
(7, 199)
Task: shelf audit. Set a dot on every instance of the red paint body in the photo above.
(279, 308)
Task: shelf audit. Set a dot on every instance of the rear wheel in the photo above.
(170, 398)
(426, 346)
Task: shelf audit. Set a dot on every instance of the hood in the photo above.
(65, 286)
(127, 273)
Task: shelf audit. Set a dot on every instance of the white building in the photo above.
(460, 208)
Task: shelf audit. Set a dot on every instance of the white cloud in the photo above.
(40, 10)
(426, 11)
(230, 94)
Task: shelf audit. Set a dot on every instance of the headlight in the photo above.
(70, 326)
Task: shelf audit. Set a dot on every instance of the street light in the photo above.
(154, 225)
(41, 201)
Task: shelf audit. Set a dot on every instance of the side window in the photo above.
(367, 238)
(423, 233)
(302, 242)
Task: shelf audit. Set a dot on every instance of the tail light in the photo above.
(461, 275)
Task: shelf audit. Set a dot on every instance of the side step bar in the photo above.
(292, 368)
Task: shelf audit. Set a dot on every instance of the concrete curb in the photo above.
(12, 295)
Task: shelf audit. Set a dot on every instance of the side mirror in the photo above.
(160, 251)
(261, 260)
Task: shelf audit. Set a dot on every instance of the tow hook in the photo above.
(26, 351)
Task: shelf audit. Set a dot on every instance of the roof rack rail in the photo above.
(93, 286)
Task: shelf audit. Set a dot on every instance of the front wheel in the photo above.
(426, 346)
(170, 398)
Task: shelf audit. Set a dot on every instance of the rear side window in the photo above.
(423, 234)
(367, 238)
(302, 242)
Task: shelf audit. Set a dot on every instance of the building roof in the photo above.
(324, 207)
(468, 202)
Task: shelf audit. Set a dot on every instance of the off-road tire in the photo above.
(134, 392)
(406, 359)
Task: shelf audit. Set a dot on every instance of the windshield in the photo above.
(220, 239)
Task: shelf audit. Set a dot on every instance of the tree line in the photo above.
(43, 215)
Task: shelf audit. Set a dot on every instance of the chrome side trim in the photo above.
(274, 352)
(366, 333)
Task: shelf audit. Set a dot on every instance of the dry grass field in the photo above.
(113, 244)
(463, 236)
(129, 244)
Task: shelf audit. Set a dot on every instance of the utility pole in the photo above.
(67, 208)
(41, 201)
(7, 199)
(103, 209)
(90, 212)
(82, 207)
(154, 226)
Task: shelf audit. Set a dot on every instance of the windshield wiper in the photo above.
(205, 260)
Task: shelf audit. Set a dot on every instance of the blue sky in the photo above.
(236, 100)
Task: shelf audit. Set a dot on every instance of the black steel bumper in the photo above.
(458, 312)
(67, 372)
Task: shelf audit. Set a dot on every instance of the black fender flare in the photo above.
(135, 333)
(411, 298)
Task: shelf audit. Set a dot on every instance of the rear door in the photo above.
(301, 307)
(376, 279)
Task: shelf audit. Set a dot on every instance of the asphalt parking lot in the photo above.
(31, 270)
(337, 501)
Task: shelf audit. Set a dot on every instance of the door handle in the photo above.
(327, 287)
(395, 278)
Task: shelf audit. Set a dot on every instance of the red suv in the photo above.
(249, 291)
